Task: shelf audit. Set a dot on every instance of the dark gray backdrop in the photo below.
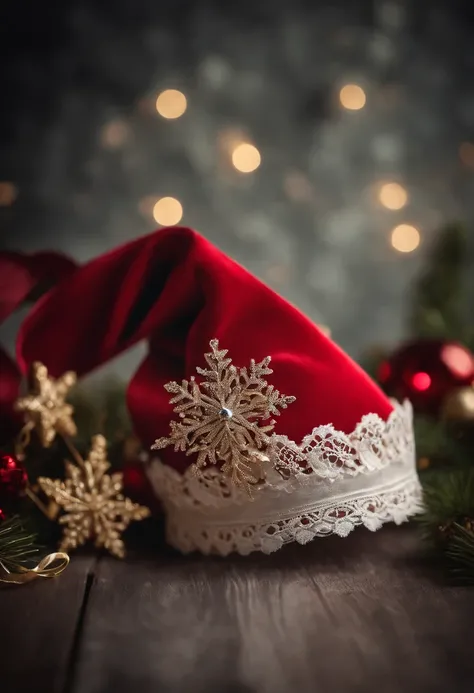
(87, 153)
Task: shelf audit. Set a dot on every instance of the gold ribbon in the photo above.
(49, 567)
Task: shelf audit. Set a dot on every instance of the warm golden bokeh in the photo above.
(352, 97)
(246, 158)
(168, 211)
(171, 104)
(393, 196)
(405, 238)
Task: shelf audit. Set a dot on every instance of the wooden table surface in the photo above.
(353, 615)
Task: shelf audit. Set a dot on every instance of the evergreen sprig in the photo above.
(460, 555)
(17, 544)
(448, 519)
(438, 303)
(448, 496)
(439, 311)
(435, 442)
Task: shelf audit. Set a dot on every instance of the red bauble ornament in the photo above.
(136, 484)
(13, 478)
(2, 515)
(426, 372)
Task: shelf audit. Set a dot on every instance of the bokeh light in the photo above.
(246, 158)
(168, 211)
(171, 104)
(421, 381)
(352, 97)
(393, 196)
(8, 193)
(114, 134)
(466, 154)
(405, 238)
(458, 359)
(467, 402)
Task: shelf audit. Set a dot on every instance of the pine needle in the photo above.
(449, 502)
(460, 554)
(433, 440)
(17, 545)
(448, 496)
(439, 309)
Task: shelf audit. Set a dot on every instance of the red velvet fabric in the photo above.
(22, 277)
(178, 291)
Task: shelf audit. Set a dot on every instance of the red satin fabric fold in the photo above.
(176, 290)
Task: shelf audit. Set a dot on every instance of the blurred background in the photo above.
(321, 144)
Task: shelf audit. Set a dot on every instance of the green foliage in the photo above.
(460, 555)
(101, 408)
(448, 497)
(17, 544)
(438, 310)
(448, 507)
(436, 441)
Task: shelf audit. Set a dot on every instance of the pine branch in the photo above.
(448, 498)
(460, 554)
(438, 296)
(435, 441)
(17, 544)
(448, 519)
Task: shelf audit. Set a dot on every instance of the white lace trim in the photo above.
(328, 484)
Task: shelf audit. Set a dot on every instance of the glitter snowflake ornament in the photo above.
(93, 504)
(44, 408)
(219, 417)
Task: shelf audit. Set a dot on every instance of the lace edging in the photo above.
(328, 484)
(325, 456)
(397, 505)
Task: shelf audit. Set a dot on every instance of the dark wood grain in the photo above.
(38, 624)
(353, 615)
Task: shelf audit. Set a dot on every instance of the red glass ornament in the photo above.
(2, 515)
(136, 484)
(13, 478)
(426, 372)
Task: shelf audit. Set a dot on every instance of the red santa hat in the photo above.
(266, 431)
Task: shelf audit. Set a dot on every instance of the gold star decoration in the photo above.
(219, 418)
(45, 408)
(93, 504)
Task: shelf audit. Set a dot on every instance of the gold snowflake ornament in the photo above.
(45, 408)
(220, 417)
(93, 504)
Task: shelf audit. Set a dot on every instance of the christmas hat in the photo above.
(263, 430)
